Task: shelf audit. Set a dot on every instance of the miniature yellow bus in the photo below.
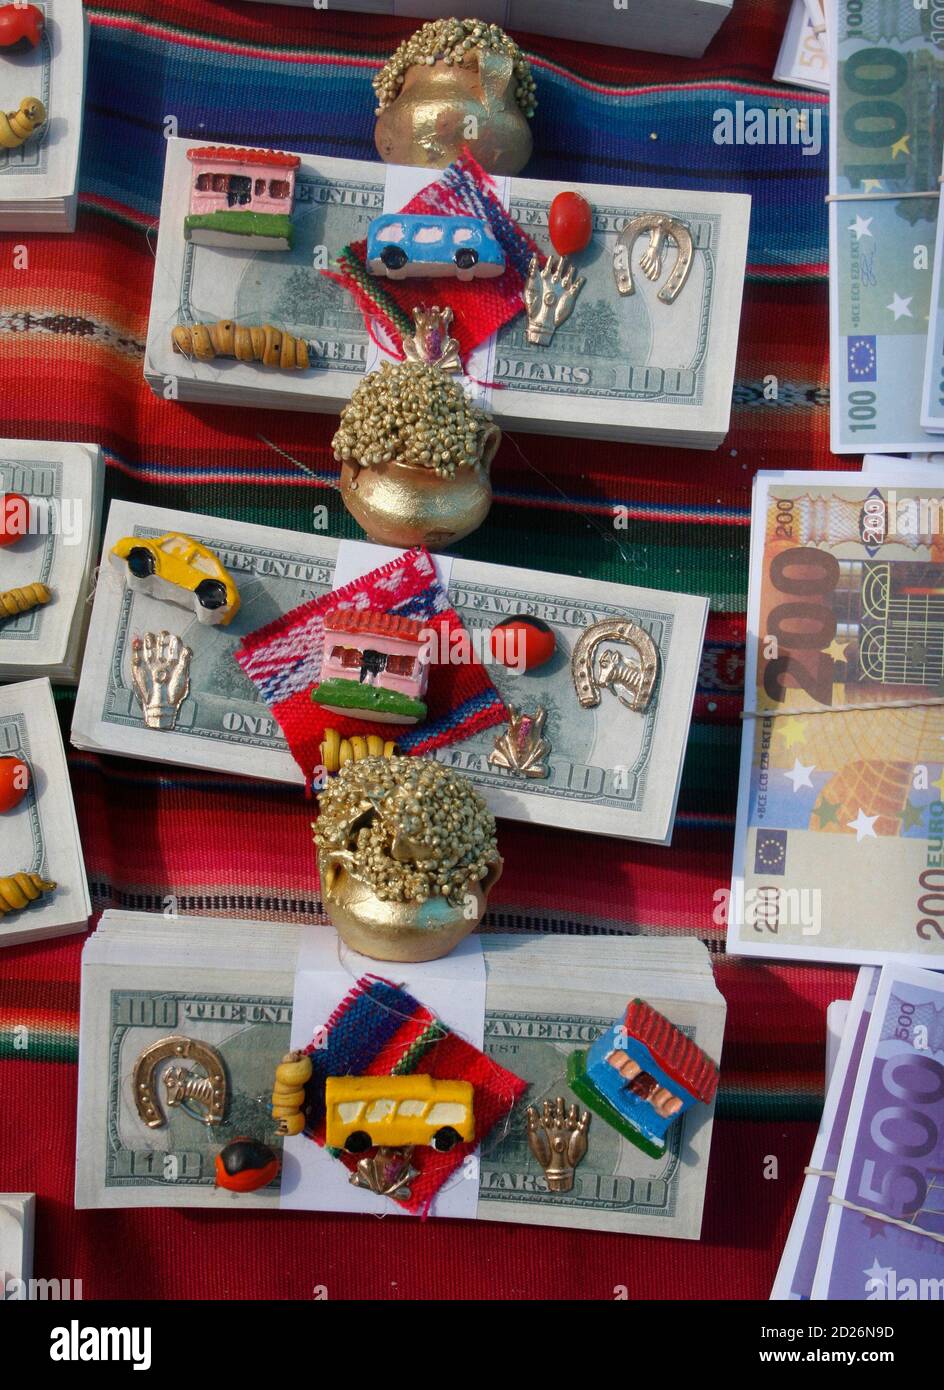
(394, 1111)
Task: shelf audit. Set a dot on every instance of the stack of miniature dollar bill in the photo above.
(803, 60)
(62, 484)
(842, 762)
(626, 368)
(870, 1219)
(39, 179)
(886, 132)
(683, 27)
(611, 770)
(17, 1213)
(40, 835)
(231, 984)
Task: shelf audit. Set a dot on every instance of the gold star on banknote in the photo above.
(940, 784)
(793, 731)
(837, 649)
(902, 146)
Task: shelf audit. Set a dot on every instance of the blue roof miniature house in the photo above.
(649, 1072)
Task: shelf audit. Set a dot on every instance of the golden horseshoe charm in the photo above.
(181, 1084)
(614, 672)
(661, 228)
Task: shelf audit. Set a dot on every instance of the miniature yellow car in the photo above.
(394, 1111)
(181, 570)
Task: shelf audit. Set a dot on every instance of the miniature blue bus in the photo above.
(401, 244)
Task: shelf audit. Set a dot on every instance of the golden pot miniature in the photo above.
(452, 84)
(415, 456)
(407, 857)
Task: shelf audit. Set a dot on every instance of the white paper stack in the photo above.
(39, 180)
(40, 836)
(803, 60)
(683, 27)
(63, 485)
(17, 1214)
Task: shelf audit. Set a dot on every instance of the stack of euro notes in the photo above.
(39, 179)
(61, 487)
(803, 60)
(43, 887)
(625, 368)
(838, 839)
(233, 984)
(869, 1224)
(885, 262)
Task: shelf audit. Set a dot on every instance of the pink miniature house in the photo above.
(241, 198)
(373, 666)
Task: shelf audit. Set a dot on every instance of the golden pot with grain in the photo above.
(405, 505)
(444, 107)
(400, 931)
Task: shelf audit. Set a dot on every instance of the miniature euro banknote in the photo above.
(621, 367)
(803, 60)
(611, 770)
(885, 1224)
(841, 795)
(797, 1270)
(39, 178)
(17, 1217)
(43, 887)
(886, 133)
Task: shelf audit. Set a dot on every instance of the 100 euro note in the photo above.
(884, 1233)
(611, 770)
(886, 135)
(838, 846)
(618, 364)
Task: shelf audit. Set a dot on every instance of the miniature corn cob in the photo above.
(17, 126)
(19, 890)
(336, 751)
(288, 1095)
(264, 344)
(16, 601)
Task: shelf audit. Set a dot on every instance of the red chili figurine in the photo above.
(14, 783)
(14, 518)
(570, 224)
(21, 27)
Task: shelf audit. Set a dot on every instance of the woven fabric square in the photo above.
(379, 1029)
(283, 660)
(480, 307)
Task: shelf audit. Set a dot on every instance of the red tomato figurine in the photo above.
(570, 223)
(14, 518)
(21, 27)
(522, 643)
(14, 783)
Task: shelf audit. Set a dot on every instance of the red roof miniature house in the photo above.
(641, 1074)
(374, 666)
(241, 198)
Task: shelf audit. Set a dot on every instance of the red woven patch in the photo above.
(480, 307)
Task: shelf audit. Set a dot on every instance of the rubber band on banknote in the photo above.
(931, 703)
(809, 1172)
(889, 1220)
(877, 197)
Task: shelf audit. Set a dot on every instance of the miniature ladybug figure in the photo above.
(21, 28)
(245, 1165)
(522, 642)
